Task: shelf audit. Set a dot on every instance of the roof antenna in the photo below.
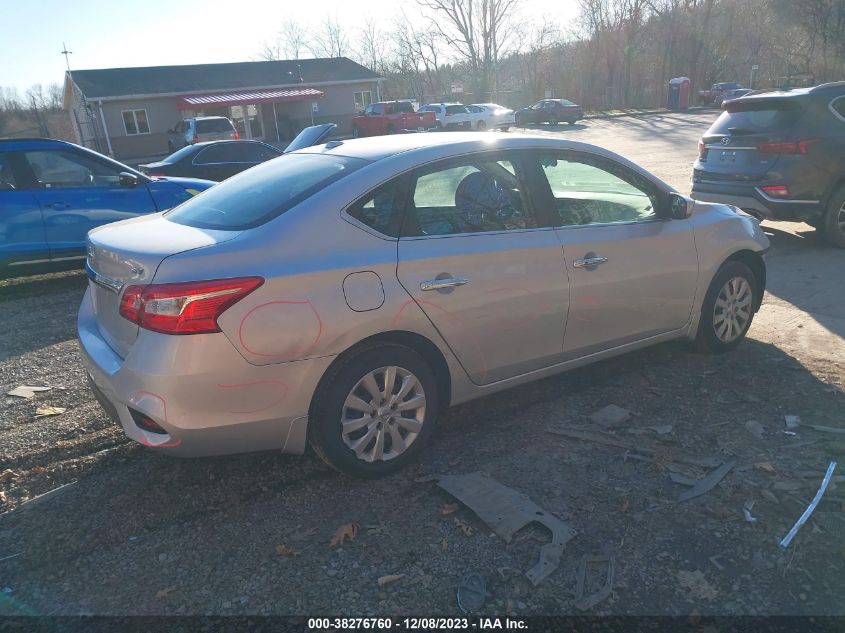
(66, 52)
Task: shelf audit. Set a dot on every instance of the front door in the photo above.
(475, 259)
(632, 274)
(22, 240)
(76, 193)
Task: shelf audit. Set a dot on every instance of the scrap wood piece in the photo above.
(506, 511)
(583, 602)
(640, 447)
(706, 483)
(806, 514)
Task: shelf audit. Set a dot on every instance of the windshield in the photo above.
(178, 155)
(259, 194)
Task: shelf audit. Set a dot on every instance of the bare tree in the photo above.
(372, 48)
(331, 41)
(290, 42)
(477, 31)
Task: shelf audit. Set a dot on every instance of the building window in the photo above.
(135, 122)
(363, 99)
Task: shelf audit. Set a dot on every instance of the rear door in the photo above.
(741, 146)
(76, 193)
(632, 275)
(22, 239)
(487, 273)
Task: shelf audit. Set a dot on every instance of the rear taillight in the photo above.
(776, 191)
(786, 147)
(195, 139)
(184, 308)
(237, 136)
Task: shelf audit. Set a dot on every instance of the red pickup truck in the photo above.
(392, 117)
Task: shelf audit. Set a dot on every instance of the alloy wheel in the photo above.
(383, 414)
(732, 310)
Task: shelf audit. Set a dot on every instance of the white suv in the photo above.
(200, 129)
(450, 115)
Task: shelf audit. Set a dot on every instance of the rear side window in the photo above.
(838, 107)
(757, 117)
(257, 195)
(212, 126)
(403, 106)
(455, 109)
(379, 209)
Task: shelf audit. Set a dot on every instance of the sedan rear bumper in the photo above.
(200, 391)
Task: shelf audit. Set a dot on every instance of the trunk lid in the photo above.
(731, 144)
(129, 253)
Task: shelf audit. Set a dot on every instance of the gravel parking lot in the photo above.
(141, 533)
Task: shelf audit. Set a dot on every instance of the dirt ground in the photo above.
(141, 533)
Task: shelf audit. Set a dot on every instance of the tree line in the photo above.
(616, 54)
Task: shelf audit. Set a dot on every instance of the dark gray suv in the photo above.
(780, 156)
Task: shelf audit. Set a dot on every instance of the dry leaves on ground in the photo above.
(765, 467)
(449, 508)
(9, 474)
(161, 593)
(48, 410)
(283, 550)
(467, 529)
(697, 585)
(347, 531)
(383, 581)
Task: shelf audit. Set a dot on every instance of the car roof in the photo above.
(33, 143)
(829, 89)
(438, 145)
(206, 118)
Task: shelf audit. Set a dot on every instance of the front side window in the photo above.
(589, 190)
(456, 109)
(212, 154)
(257, 195)
(469, 196)
(379, 209)
(135, 122)
(58, 169)
(7, 178)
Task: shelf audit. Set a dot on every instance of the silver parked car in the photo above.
(346, 293)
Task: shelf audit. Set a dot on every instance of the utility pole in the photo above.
(67, 55)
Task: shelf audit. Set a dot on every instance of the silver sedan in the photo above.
(344, 295)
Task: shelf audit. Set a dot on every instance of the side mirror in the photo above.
(128, 180)
(680, 207)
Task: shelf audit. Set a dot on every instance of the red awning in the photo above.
(190, 102)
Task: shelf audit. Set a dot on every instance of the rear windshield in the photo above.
(403, 106)
(257, 195)
(214, 125)
(179, 154)
(455, 109)
(755, 117)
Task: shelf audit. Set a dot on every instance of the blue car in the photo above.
(52, 193)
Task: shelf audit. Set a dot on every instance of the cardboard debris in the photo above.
(25, 391)
(46, 410)
(705, 484)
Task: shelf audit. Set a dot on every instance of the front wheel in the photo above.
(728, 308)
(170, 147)
(356, 132)
(375, 411)
(552, 120)
(834, 219)
(481, 126)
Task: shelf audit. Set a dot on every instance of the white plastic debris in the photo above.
(25, 391)
(746, 511)
(806, 515)
(792, 421)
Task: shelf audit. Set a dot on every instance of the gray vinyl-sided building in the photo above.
(128, 112)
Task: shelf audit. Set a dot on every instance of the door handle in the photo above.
(589, 262)
(439, 284)
(58, 205)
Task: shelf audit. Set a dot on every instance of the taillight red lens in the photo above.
(786, 147)
(195, 139)
(237, 136)
(700, 147)
(776, 191)
(184, 308)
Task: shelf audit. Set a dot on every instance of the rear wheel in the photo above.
(834, 219)
(553, 120)
(481, 125)
(519, 121)
(375, 412)
(170, 147)
(728, 308)
(391, 129)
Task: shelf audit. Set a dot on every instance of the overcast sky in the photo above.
(109, 33)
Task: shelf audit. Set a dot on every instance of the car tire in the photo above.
(391, 129)
(504, 128)
(356, 132)
(722, 327)
(345, 383)
(834, 219)
(170, 147)
(481, 126)
(553, 120)
(517, 121)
